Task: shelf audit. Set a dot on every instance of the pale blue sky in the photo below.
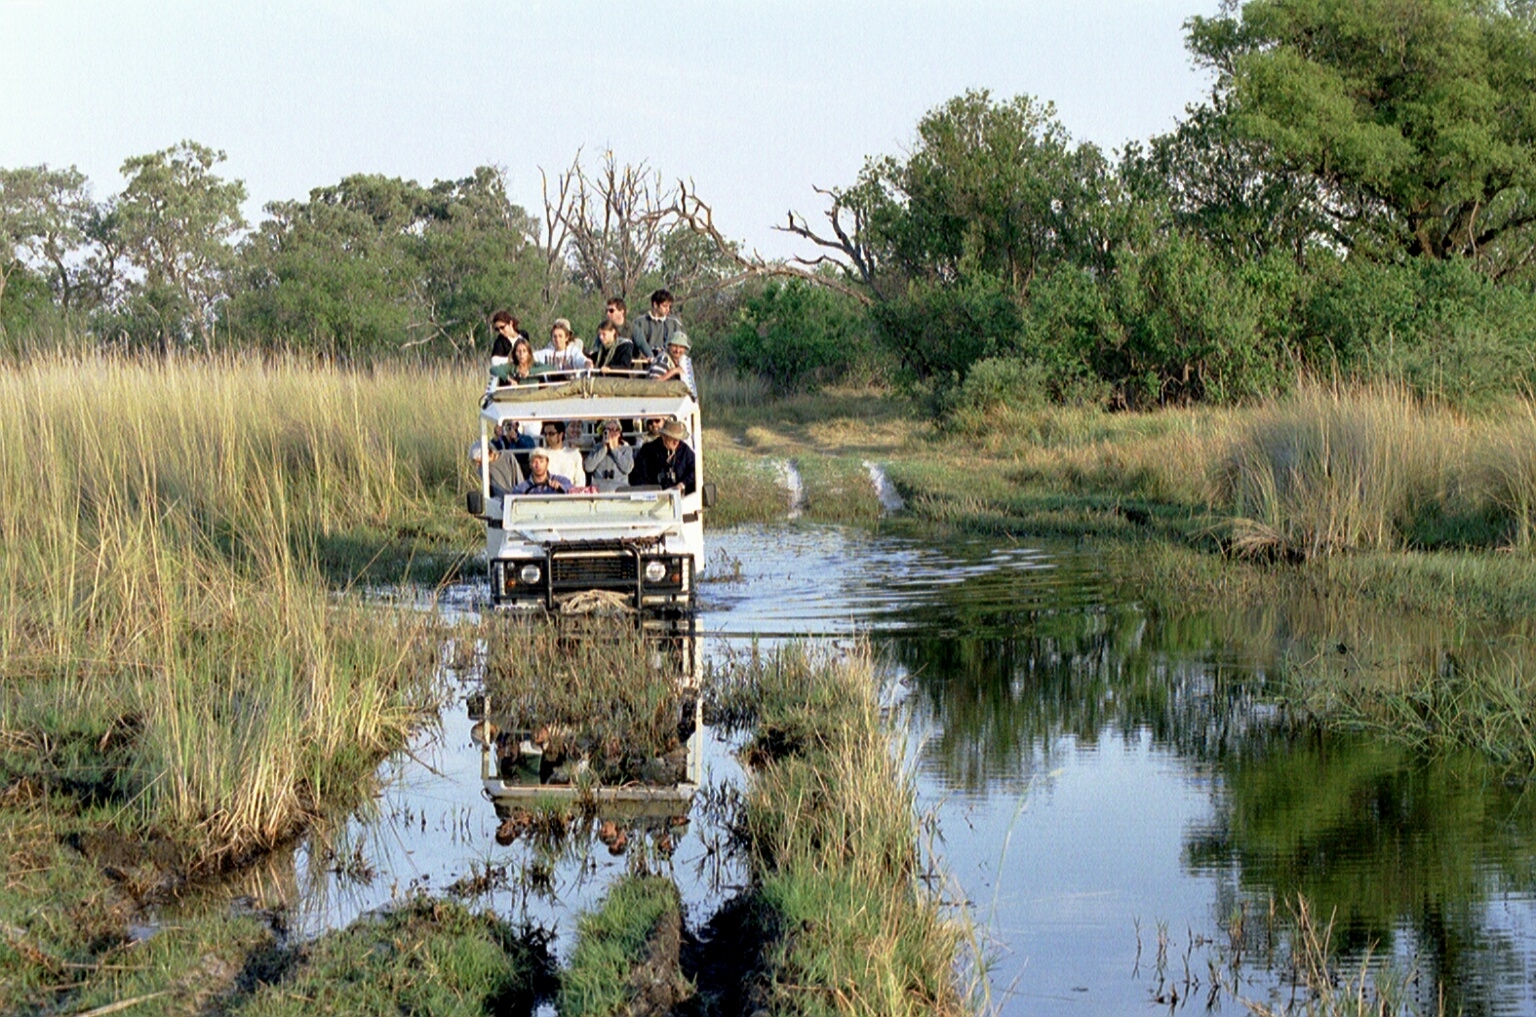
(755, 101)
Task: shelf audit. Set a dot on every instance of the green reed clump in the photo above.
(1329, 470)
(1322, 987)
(161, 597)
(426, 957)
(830, 827)
(589, 689)
(627, 952)
(1480, 696)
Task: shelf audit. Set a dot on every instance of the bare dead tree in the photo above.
(606, 230)
(555, 231)
(693, 212)
(847, 250)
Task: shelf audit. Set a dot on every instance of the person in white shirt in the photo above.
(563, 461)
(562, 354)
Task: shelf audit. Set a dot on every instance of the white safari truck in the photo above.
(644, 545)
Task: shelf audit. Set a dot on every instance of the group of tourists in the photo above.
(517, 465)
(653, 346)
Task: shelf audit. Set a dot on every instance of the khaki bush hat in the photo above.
(674, 429)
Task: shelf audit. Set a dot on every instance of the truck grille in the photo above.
(593, 571)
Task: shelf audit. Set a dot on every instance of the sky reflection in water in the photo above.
(1094, 765)
(1098, 770)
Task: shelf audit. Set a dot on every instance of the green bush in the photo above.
(938, 331)
(1441, 327)
(795, 333)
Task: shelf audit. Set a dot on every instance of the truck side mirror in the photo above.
(710, 495)
(474, 502)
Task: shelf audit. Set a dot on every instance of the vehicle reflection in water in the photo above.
(1095, 765)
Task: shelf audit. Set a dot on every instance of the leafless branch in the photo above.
(693, 212)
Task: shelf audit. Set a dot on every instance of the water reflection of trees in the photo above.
(1017, 681)
(1406, 851)
(1391, 845)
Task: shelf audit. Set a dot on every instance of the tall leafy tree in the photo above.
(1415, 118)
(377, 263)
(45, 215)
(177, 221)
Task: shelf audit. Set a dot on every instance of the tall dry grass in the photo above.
(1504, 466)
(159, 594)
(1329, 469)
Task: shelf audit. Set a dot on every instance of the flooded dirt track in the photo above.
(1114, 792)
(1122, 803)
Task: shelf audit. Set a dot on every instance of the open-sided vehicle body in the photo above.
(642, 545)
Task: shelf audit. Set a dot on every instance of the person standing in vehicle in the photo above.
(609, 462)
(653, 330)
(506, 331)
(667, 463)
(563, 462)
(617, 311)
(612, 353)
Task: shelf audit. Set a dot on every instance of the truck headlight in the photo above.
(528, 574)
(655, 571)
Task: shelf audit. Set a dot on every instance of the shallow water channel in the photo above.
(1111, 791)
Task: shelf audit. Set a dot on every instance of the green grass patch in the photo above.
(427, 957)
(830, 826)
(626, 952)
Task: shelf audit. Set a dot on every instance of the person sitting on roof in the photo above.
(564, 351)
(540, 480)
(675, 362)
(519, 368)
(655, 328)
(668, 462)
(506, 330)
(609, 462)
(505, 474)
(611, 352)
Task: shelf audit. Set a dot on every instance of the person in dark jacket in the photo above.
(668, 462)
(652, 330)
(612, 353)
(507, 332)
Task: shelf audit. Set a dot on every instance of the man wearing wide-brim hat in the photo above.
(666, 462)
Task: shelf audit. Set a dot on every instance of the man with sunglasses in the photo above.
(563, 461)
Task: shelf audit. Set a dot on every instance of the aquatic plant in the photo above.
(831, 833)
(168, 641)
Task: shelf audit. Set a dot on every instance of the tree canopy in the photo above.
(1416, 118)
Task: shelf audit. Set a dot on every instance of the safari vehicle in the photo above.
(642, 546)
